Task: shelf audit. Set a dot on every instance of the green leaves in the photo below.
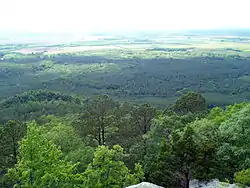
(98, 121)
(143, 116)
(190, 102)
(243, 177)
(40, 163)
(234, 150)
(173, 148)
(10, 134)
(218, 115)
(207, 139)
(107, 169)
(72, 146)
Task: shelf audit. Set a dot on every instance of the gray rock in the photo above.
(193, 184)
(145, 185)
(211, 184)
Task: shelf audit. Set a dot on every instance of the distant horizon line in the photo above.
(124, 31)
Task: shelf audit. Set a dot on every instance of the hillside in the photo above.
(116, 111)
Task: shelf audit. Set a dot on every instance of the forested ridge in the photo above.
(53, 139)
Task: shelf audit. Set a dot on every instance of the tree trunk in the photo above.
(14, 151)
(187, 180)
(102, 130)
(231, 178)
(103, 135)
(99, 135)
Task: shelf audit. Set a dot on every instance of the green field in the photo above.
(140, 68)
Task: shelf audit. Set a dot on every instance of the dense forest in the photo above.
(59, 140)
(119, 111)
(140, 69)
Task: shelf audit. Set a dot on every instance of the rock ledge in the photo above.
(145, 185)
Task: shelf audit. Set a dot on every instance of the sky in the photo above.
(105, 15)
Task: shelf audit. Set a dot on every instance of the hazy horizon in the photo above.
(76, 16)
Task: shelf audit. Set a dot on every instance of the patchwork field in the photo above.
(156, 68)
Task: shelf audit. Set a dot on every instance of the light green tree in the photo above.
(243, 177)
(234, 150)
(72, 146)
(219, 115)
(108, 170)
(40, 164)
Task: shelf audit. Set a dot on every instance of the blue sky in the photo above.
(102, 15)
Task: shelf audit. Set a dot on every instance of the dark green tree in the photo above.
(190, 102)
(10, 134)
(98, 121)
(185, 151)
(133, 122)
(163, 169)
(142, 118)
(207, 139)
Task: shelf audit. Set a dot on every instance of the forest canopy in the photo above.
(112, 144)
(165, 108)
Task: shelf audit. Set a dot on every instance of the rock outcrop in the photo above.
(145, 185)
(193, 184)
(212, 184)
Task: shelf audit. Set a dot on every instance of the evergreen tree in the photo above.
(10, 134)
(98, 121)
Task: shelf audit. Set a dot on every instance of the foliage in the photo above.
(39, 163)
(207, 134)
(243, 177)
(72, 146)
(172, 148)
(219, 115)
(107, 169)
(185, 149)
(143, 116)
(98, 120)
(234, 150)
(10, 134)
(38, 96)
(31, 105)
(162, 170)
(190, 102)
(158, 69)
(73, 142)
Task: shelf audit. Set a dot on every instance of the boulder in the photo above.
(212, 184)
(145, 185)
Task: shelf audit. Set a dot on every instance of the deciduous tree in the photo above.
(108, 170)
(39, 163)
